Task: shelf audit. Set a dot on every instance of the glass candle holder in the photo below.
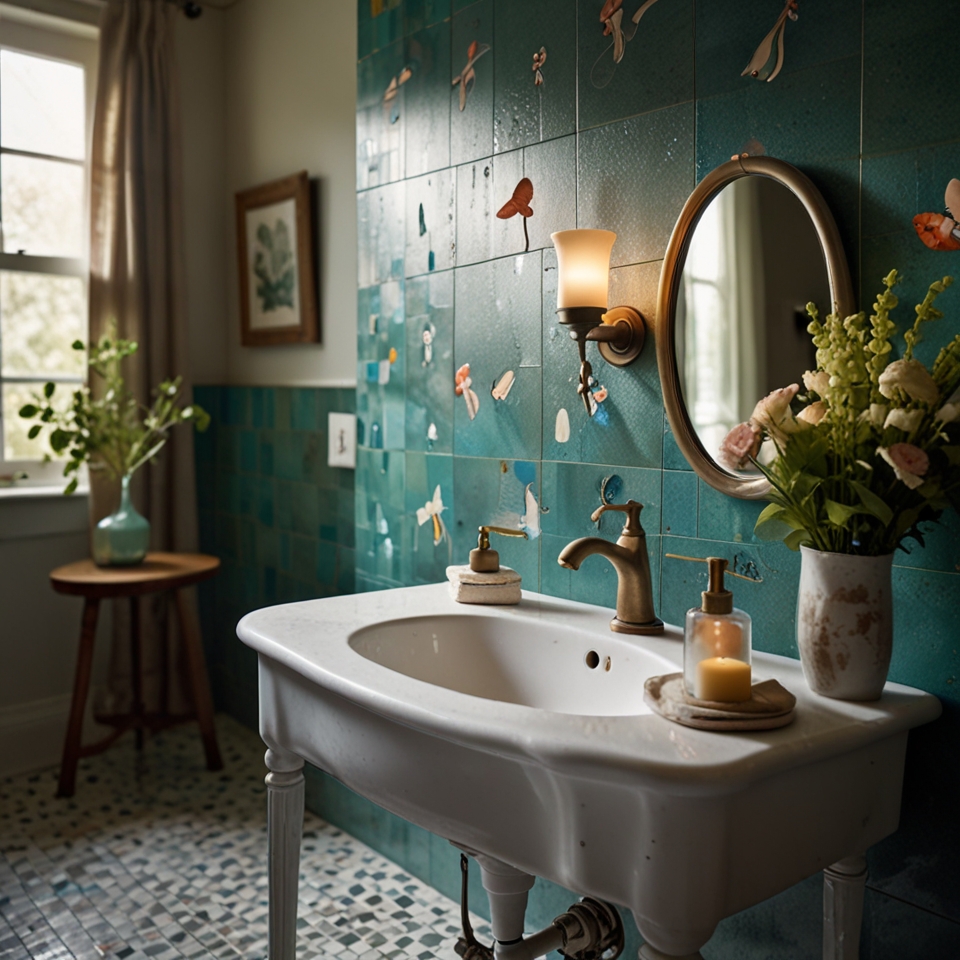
(716, 656)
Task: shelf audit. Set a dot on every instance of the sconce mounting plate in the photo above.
(627, 346)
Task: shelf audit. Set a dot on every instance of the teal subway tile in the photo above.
(634, 177)
(430, 372)
(525, 112)
(497, 336)
(628, 424)
(656, 71)
(228, 448)
(234, 406)
(267, 546)
(328, 531)
(269, 584)
(282, 402)
(262, 407)
(228, 485)
(906, 103)
(284, 553)
(326, 571)
(505, 493)
(303, 409)
(228, 537)
(552, 169)
(248, 451)
(572, 491)
(809, 115)
(471, 129)
(304, 509)
(248, 494)
(303, 558)
(346, 572)
(680, 503)
(673, 458)
(283, 504)
(345, 533)
(265, 501)
(266, 453)
(426, 101)
(429, 488)
(431, 223)
(248, 544)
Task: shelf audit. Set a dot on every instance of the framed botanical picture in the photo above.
(278, 296)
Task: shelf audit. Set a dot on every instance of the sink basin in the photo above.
(547, 666)
(521, 733)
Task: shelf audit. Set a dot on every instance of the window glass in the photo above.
(40, 317)
(16, 445)
(41, 105)
(42, 206)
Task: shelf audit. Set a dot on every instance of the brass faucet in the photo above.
(635, 613)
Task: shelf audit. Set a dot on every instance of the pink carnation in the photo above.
(739, 445)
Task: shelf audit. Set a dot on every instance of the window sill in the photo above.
(30, 512)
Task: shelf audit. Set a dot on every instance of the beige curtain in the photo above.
(136, 281)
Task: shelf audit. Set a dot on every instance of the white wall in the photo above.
(291, 104)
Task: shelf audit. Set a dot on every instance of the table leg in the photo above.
(81, 686)
(136, 678)
(284, 827)
(844, 884)
(199, 683)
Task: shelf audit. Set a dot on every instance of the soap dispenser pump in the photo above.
(717, 643)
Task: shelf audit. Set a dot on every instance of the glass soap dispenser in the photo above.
(717, 642)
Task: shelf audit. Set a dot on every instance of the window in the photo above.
(47, 82)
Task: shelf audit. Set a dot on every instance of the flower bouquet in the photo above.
(858, 460)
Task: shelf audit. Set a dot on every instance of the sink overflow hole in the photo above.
(592, 659)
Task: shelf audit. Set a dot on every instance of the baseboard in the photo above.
(31, 734)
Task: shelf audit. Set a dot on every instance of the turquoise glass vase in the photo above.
(121, 539)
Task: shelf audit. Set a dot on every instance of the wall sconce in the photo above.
(583, 269)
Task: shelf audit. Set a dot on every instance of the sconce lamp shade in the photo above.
(583, 267)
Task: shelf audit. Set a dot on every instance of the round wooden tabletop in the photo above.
(159, 571)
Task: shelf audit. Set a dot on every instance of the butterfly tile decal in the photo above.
(432, 510)
(539, 59)
(468, 76)
(766, 62)
(462, 388)
(611, 16)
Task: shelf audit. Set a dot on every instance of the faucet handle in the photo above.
(631, 508)
(482, 558)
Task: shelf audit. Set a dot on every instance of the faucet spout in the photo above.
(635, 608)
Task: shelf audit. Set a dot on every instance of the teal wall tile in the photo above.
(634, 177)
(471, 129)
(380, 122)
(656, 70)
(381, 234)
(552, 169)
(680, 503)
(483, 187)
(431, 544)
(497, 334)
(426, 99)
(430, 370)
(525, 113)
(431, 223)
(904, 103)
(418, 14)
(505, 493)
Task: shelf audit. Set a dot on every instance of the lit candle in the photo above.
(723, 679)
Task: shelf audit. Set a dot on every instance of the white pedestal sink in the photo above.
(521, 732)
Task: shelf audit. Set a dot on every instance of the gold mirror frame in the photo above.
(841, 292)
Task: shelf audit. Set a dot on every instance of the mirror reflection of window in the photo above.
(753, 263)
(723, 330)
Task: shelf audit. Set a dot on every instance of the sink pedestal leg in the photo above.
(843, 888)
(648, 953)
(284, 827)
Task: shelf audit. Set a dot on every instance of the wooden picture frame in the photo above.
(278, 293)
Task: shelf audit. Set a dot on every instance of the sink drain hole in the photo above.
(592, 659)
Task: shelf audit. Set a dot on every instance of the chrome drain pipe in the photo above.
(590, 930)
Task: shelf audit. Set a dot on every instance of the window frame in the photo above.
(67, 42)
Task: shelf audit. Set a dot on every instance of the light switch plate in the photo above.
(342, 440)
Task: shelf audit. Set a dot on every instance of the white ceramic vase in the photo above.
(845, 623)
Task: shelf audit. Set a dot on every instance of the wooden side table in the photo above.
(158, 572)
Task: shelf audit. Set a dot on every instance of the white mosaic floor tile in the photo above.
(157, 859)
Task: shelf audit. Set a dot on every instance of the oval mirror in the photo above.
(754, 244)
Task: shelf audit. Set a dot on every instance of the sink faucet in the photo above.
(635, 613)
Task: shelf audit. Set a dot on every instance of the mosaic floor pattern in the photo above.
(157, 858)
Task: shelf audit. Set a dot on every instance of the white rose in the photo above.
(905, 420)
(814, 413)
(817, 381)
(950, 411)
(912, 378)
